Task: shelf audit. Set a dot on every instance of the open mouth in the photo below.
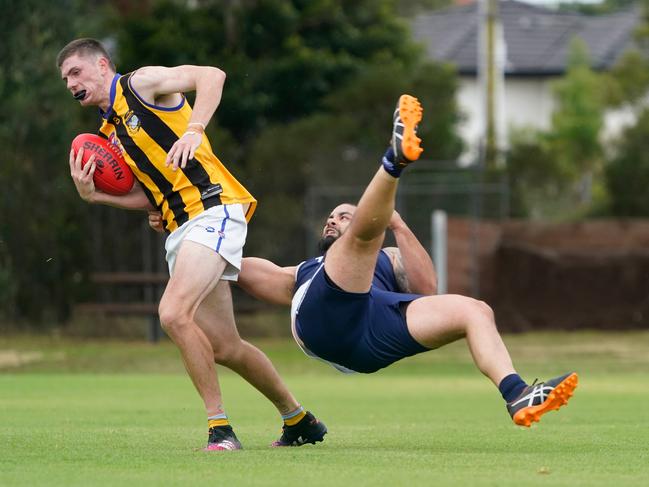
(79, 95)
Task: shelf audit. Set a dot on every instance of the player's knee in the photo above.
(486, 311)
(480, 313)
(172, 318)
(366, 242)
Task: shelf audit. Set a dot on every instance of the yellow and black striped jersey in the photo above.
(145, 133)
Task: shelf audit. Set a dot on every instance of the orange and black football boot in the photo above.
(540, 398)
(405, 142)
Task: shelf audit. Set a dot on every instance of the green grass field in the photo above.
(110, 413)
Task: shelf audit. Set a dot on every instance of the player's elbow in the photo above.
(216, 75)
(425, 285)
(433, 284)
(429, 288)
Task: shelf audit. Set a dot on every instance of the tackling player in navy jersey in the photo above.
(361, 308)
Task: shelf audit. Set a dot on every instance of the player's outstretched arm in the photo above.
(267, 281)
(412, 265)
(162, 86)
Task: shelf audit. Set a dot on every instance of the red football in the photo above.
(112, 174)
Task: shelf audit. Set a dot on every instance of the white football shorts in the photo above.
(222, 228)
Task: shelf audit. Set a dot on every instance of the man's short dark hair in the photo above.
(83, 47)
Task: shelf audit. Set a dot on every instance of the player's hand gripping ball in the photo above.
(112, 174)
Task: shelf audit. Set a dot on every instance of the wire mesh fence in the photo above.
(424, 188)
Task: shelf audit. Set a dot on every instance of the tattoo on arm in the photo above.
(399, 271)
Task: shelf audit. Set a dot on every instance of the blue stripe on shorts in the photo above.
(222, 231)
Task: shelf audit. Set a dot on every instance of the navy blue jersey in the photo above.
(383, 273)
(354, 332)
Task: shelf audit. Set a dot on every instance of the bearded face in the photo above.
(337, 223)
(325, 242)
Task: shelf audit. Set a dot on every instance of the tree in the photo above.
(536, 176)
(569, 155)
(42, 226)
(311, 84)
(627, 174)
(341, 146)
(282, 58)
(578, 119)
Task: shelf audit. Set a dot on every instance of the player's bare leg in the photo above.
(435, 321)
(196, 312)
(197, 302)
(196, 274)
(350, 260)
(215, 317)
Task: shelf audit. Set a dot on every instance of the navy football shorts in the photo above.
(363, 332)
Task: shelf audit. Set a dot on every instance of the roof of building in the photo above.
(537, 39)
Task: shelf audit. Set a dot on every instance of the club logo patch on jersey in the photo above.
(132, 121)
(114, 142)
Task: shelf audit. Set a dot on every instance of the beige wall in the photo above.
(528, 102)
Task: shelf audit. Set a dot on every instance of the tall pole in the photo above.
(491, 142)
(491, 59)
(491, 65)
(439, 251)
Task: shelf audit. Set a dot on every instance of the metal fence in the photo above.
(424, 188)
(123, 242)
